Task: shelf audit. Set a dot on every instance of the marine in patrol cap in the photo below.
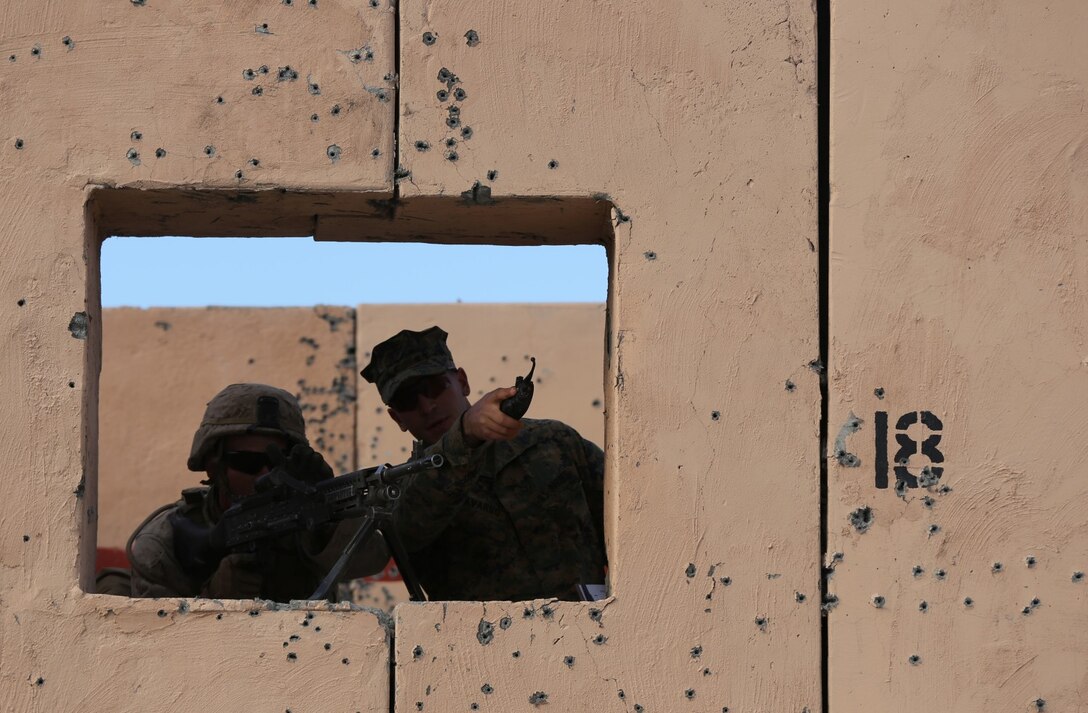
(247, 408)
(405, 356)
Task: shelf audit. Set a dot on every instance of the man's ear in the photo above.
(462, 379)
(396, 417)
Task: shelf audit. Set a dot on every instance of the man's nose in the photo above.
(424, 404)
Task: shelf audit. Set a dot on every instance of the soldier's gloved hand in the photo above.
(302, 463)
(239, 576)
(199, 548)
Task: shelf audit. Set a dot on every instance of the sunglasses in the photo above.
(248, 462)
(407, 396)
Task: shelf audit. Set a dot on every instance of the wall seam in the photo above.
(823, 143)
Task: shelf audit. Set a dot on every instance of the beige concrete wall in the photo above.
(959, 257)
(691, 126)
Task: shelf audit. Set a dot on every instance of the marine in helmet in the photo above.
(246, 430)
(517, 513)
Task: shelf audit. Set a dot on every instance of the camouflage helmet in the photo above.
(247, 408)
(407, 355)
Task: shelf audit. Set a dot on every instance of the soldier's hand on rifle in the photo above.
(239, 576)
(198, 547)
(483, 421)
(302, 463)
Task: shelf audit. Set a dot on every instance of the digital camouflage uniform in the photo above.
(507, 520)
(287, 568)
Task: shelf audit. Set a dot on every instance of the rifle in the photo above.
(283, 504)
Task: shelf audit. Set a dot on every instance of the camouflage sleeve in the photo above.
(156, 571)
(430, 500)
(369, 557)
(593, 484)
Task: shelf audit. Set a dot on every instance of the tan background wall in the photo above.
(959, 243)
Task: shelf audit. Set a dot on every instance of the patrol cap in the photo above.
(405, 356)
(247, 408)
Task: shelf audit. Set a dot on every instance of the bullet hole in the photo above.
(933, 530)
(1078, 576)
(40, 681)
(505, 622)
(422, 145)
(650, 255)
(553, 164)
(314, 88)
(315, 118)
(453, 121)
(761, 622)
(419, 705)
(596, 615)
(799, 597)
(288, 3)
(417, 652)
(452, 156)
(600, 639)
(218, 616)
(817, 366)
(917, 570)
(569, 661)
(596, 403)
(78, 325)
(429, 38)
(444, 75)
(36, 51)
(162, 613)
(485, 632)
(375, 3)
(639, 708)
(927, 501)
(862, 518)
(401, 174)
(690, 570)
(715, 415)
(71, 384)
(11, 58)
(258, 91)
(491, 176)
(67, 42)
(516, 654)
(486, 689)
(940, 574)
(474, 706)
(901, 488)
(1040, 704)
(878, 601)
(997, 567)
(19, 144)
(696, 651)
(286, 74)
(333, 152)
(466, 132)
(311, 3)
(915, 659)
(1030, 561)
(375, 153)
(944, 489)
(345, 661)
(726, 581)
(689, 693)
(239, 175)
(335, 111)
(621, 694)
(539, 698)
(923, 606)
(355, 56)
(459, 94)
(209, 150)
(879, 392)
(254, 612)
(133, 157)
(248, 74)
(929, 477)
(292, 656)
(26, 538)
(254, 162)
(160, 152)
(968, 602)
(790, 386)
(830, 602)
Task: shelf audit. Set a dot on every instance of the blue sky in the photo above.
(293, 272)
